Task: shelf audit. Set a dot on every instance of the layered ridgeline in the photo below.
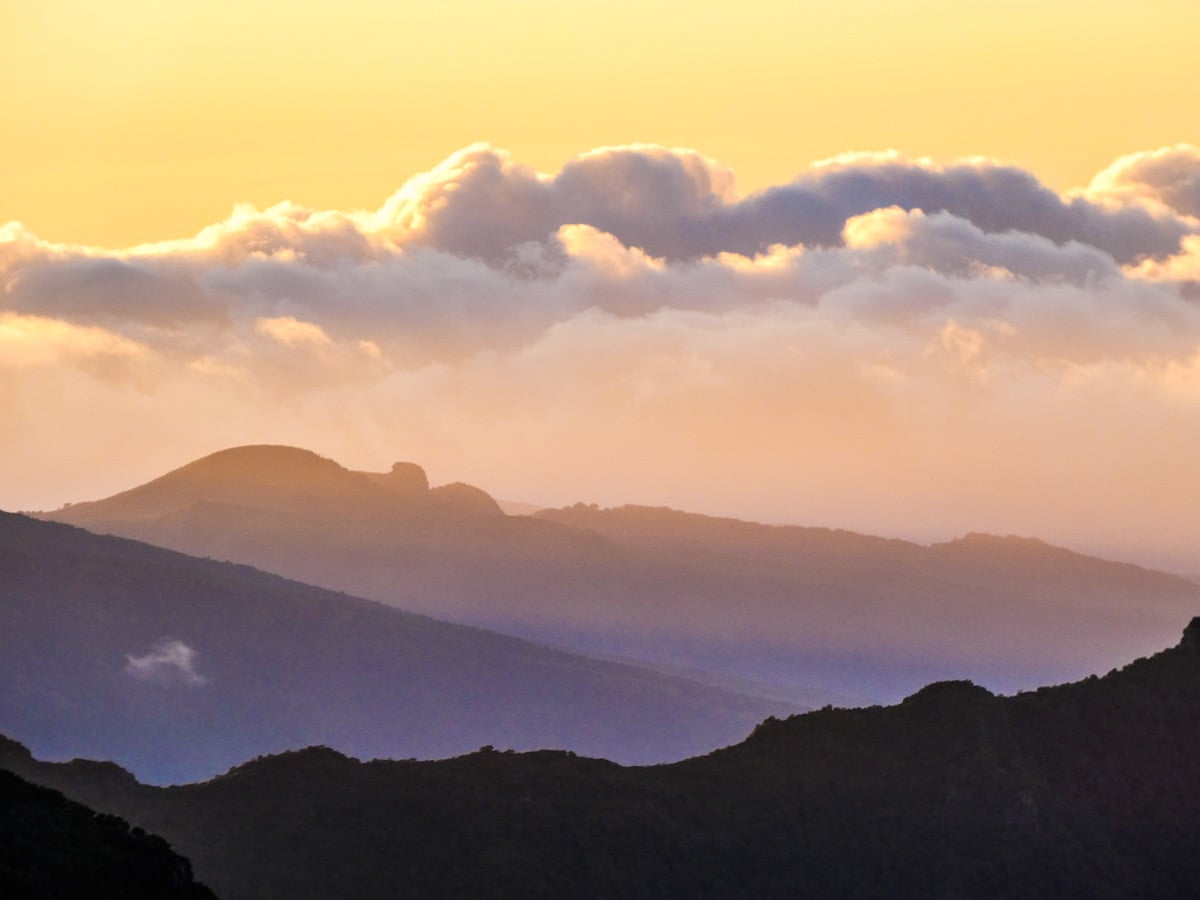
(810, 611)
(52, 848)
(180, 667)
(1087, 790)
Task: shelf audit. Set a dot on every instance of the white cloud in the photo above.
(167, 662)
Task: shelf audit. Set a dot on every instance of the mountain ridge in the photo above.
(1081, 790)
(53, 847)
(838, 613)
(180, 666)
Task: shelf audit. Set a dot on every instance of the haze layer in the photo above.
(883, 343)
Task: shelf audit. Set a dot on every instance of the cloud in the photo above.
(1183, 267)
(952, 245)
(995, 197)
(482, 203)
(291, 332)
(98, 289)
(677, 204)
(37, 341)
(1170, 177)
(880, 342)
(167, 662)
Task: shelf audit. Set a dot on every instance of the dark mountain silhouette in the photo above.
(180, 667)
(805, 610)
(52, 848)
(1086, 790)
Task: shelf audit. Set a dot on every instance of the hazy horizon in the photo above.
(630, 329)
(919, 534)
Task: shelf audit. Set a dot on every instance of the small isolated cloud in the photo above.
(168, 662)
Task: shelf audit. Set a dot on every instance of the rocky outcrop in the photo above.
(463, 498)
(406, 478)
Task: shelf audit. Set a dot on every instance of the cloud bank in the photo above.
(883, 343)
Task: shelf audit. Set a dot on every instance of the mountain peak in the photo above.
(983, 540)
(950, 693)
(272, 460)
(407, 478)
(464, 498)
(264, 475)
(1191, 635)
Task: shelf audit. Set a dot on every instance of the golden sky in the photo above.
(995, 328)
(125, 121)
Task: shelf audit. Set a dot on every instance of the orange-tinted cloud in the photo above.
(31, 342)
(883, 343)
(1170, 176)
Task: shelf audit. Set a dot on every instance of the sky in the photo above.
(911, 268)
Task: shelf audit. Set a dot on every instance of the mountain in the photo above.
(811, 612)
(1086, 790)
(179, 667)
(54, 848)
(888, 615)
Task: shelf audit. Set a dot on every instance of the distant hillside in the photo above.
(180, 667)
(52, 848)
(1087, 790)
(812, 612)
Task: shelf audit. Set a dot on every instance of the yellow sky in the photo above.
(1000, 361)
(127, 120)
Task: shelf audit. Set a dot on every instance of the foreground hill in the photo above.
(805, 610)
(1087, 790)
(180, 667)
(56, 849)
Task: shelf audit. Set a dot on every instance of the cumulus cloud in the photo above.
(677, 204)
(997, 198)
(167, 662)
(1170, 177)
(952, 245)
(879, 342)
(1183, 267)
(482, 203)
